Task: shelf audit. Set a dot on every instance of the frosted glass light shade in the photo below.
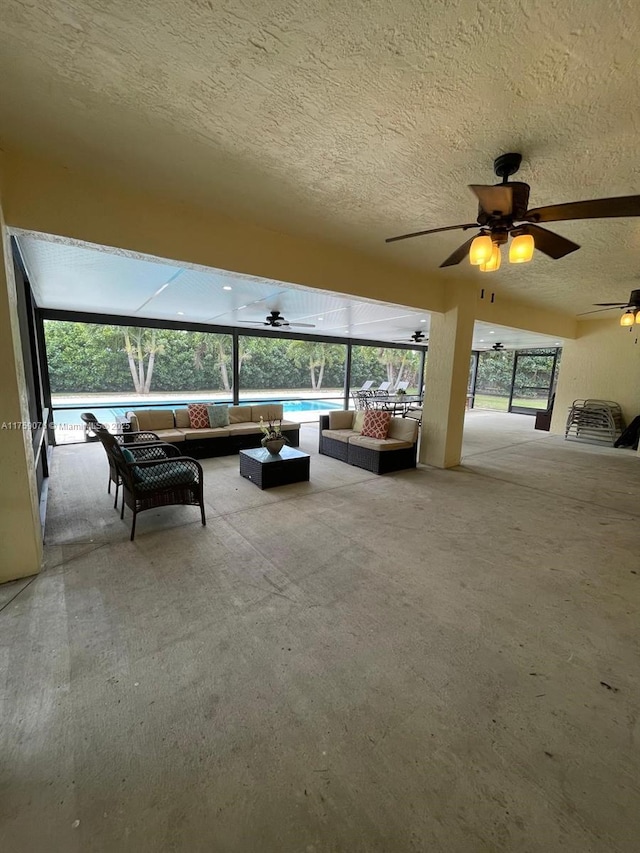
(627, 319)
(494, 261)
(480, 250)
(521, 249)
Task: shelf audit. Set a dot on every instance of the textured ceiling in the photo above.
(355, 120)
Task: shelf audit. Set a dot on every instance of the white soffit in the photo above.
(67, 277)
(75, 278)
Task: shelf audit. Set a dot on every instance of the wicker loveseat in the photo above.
(242, 432)
(340, 437)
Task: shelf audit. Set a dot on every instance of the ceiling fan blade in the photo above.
(432, 231)
(611, 304)
(600, 310)
(459, 255)
(494, 200)
(306, 325)
(596, 208)
(548, 242)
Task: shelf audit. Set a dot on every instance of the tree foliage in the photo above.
(92, 358)
(495, 373)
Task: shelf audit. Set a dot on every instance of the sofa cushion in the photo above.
(197, 434)
(380, 444)
(267, 411)
(239, 414)
(339, 419)
(154, 419)
(285, 425)
(405, 429)
(339, 434)
(172, 435)
(358, 421)
(247, 428)
(198, 416)
(182, 418)
(218, 416)
(376, 424)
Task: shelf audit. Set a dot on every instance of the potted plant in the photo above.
(273, 440)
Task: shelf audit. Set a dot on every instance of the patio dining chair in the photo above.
(415, 413)
(154, 475)
(362, 400)
(383, 388)
(401, 386)
(366, 386)
(93, 425)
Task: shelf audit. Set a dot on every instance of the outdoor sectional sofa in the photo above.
(242, 432)
(340, 437)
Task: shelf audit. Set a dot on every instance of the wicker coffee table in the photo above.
(266, 471)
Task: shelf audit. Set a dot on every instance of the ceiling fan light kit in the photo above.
(481, 250)
(503, 212)
(521, 249)
(629, 318)
(493, 263)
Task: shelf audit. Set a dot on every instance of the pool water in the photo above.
(108, 413)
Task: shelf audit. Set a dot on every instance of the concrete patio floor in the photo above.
(425, 661)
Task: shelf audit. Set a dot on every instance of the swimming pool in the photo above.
(108, 413)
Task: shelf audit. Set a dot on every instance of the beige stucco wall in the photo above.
(44, 197)
(515, 314)
(604, 363)
(20, 530)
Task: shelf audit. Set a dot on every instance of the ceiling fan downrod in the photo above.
(506, 165)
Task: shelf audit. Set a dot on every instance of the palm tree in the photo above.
(220, 347)
(316, 356)
(141, 346)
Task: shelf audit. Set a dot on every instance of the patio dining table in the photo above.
(396, 403)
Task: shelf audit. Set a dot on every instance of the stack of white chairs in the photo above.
(596, 421)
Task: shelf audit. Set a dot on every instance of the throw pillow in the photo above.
(218, 416)
(358, 421)
(198, 416)
(376, 424)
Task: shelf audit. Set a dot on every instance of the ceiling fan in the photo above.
(417, 337)
(630, 316)
(498, 347)
(276, 321)
(503, 212)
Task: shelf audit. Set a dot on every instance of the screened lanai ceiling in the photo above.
(87, 280)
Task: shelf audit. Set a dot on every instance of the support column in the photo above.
(20, 530)
(450, 339)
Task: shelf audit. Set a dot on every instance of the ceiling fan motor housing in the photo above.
(520, 196)
(634, 299)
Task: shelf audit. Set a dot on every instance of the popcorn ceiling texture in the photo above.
(354, 121)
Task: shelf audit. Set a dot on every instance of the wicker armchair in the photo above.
(154, 475)
(94, 427)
